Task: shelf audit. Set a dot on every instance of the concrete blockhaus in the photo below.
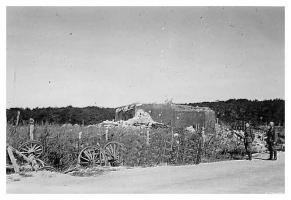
(175, 115)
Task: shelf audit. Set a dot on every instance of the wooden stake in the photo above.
(17, 118)
(79, 138)
(13, 160)
(106, 134)
(31, 128)
(172, 137)
(148, 138)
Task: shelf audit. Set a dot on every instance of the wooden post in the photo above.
(148, 138)
(31, 128)
(106, 134)
(79, 138)
(17, 118)
(13, 160)
(172, 137)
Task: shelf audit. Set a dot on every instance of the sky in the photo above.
(113, 56)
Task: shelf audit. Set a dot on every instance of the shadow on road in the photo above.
(262, 159)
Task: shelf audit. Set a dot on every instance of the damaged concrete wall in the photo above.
(125, 112)
(161, 113)
(178, 116)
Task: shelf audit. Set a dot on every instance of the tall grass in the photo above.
(62, 144)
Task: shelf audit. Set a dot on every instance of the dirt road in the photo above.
(257, 176)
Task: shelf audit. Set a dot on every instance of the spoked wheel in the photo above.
(114, 153)
(31, 148)
(91, 156)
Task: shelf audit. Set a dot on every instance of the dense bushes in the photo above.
(62, 144)
(69, 114)
(256, 112)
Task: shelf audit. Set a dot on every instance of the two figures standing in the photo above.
(272, 139)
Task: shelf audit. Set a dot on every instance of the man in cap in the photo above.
(272, 138)
(248, 140)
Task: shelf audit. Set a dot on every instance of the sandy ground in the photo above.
(243, 176)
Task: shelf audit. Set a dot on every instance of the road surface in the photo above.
(242, 176)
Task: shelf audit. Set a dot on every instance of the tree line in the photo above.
(230, 111)
(69, 114)
(243, 110)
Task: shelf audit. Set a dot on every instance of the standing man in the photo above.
(248, 140)
(272, 138)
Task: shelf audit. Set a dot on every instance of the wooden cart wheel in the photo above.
(114, 153)
(91, 156)
(31, 147)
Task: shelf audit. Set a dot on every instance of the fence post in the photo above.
(148, 138)
(13, 160)
(31, 128)
(106, 134)
(172, 137)
(79, 138)
(17, 118)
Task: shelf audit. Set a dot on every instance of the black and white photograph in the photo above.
(145, 100)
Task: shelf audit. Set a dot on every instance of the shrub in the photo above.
(62, 144)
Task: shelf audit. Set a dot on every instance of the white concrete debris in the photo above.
(259, 145)
(228, 136)
(176, 134)
(92, 126)
(125, 108)
(190, 129)
(67, 125)
(141, 119)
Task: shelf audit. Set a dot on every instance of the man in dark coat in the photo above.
(272, 139)
(248, 140)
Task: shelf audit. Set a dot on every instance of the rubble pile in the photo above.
(141, 119)
(190, 129)
(229, 136)
(108, 124)
(259, 143)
